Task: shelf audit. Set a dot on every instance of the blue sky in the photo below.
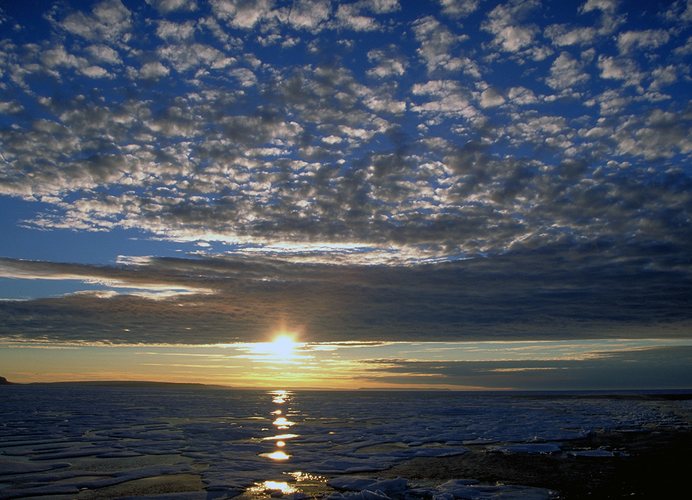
(207, 172)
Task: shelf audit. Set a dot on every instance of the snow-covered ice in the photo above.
(58, 439)
(527, 448)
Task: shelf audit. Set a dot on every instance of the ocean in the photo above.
(86, 440)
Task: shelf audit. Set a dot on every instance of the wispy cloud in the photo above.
(639, 369)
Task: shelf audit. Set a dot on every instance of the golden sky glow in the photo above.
(287, 361)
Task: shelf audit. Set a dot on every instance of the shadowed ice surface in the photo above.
(76, 440)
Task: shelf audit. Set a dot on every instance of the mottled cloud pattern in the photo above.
(366, 169)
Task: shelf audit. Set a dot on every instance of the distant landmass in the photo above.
(4, 381)
(144, 383)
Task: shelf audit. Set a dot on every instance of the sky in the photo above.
(448, 194)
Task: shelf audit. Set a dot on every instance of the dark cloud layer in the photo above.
(654, 368)
(561, 293)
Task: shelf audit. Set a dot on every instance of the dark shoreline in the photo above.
(648, 464)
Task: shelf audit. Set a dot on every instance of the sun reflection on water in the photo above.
(281, 486)
(309, 485)
(280, 437)
(279, 397)
(300, 483)
(271, 486)
(283, 423)
(306, 476)
(278, 455)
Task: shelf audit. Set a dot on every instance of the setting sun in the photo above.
(283, 346)
(282, 349)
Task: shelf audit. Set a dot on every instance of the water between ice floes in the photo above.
(238, 438)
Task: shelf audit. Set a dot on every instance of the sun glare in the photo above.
(283, 346)
(282, 349)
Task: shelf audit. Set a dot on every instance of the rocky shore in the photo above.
(616, 464)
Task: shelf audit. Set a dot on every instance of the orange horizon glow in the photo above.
(288, 361)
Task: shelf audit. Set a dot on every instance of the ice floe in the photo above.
(362, 488)
(464, 489)
(599, 452)
(57, 440)
(527, 448)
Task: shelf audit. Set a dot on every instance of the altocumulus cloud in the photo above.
(453, 170)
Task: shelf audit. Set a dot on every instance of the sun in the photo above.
(282, 348)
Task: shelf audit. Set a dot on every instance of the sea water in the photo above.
(60, 439)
